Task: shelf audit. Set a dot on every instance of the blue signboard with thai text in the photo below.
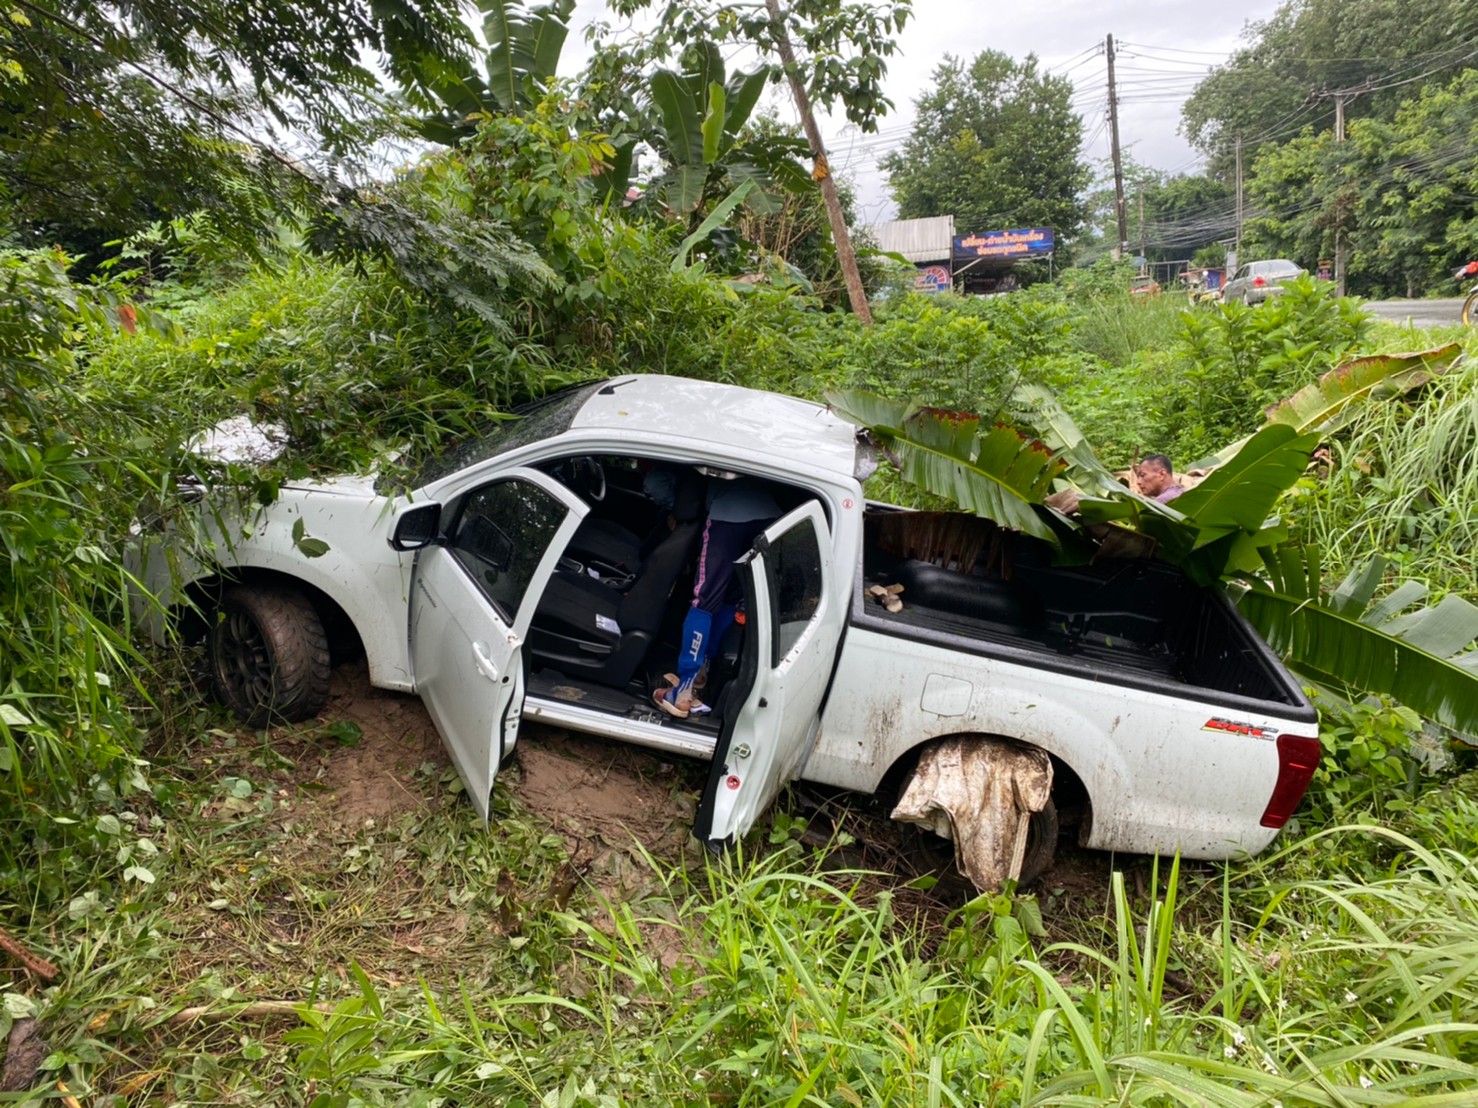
(1028, 242)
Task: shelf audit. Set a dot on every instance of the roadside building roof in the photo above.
(918, 240)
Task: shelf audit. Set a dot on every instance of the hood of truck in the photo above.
(240, 440)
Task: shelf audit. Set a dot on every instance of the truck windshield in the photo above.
(540, 419)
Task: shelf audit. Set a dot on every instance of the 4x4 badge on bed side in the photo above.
(1232, 727)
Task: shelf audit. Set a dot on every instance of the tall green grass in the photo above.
(1118, 329)
(76, 470)
(1405, 482)
(771, 981)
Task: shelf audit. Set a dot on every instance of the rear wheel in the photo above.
(1041, 844)
(1470, 308)
(269, 656)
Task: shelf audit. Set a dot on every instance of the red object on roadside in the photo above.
(1258, 282)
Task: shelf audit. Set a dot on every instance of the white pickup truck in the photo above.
(527, 575)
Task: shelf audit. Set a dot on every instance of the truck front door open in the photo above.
(472, 596)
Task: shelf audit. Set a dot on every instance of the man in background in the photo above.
(1156, 479)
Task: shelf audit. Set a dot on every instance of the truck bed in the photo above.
(1127, 621)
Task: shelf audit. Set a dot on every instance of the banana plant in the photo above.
(993, 471)
(1421, 656)
(523, 50)
(702, 114)
(1218, 527)
(1222, 530)
(1328, 404)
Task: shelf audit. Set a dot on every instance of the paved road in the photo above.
(1420, 313)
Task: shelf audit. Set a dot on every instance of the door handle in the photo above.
(485, 664)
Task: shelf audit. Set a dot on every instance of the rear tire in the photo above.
(269, 656)
(1470, 308)
(1041, 844)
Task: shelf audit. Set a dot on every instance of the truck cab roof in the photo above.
(742, 421)
(725, 419)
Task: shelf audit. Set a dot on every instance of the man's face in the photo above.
(1153, 478)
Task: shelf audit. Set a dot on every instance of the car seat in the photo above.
(589, 629)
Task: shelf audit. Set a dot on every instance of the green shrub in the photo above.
(1115, 409)
(1237, 360)
(349, 362)
(1404, 482)
(932, 349)
(76, 469)
(1116, 328)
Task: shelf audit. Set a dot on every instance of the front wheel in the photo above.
(269, 656)
(1470, 308)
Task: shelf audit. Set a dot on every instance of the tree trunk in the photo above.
(821, 170)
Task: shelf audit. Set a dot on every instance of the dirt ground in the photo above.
(610, 802)
(597, 795)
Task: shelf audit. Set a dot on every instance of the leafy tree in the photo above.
(829, 51)
(1185, 214)
(842, 46)
(1293, 191)
(1401, 191)
(1169, 218)
(1100, 234)
(1310, 46)
(1417, 217)
(996, 144)
(116, 115)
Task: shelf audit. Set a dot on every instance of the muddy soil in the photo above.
(585, 789)
(611, 803)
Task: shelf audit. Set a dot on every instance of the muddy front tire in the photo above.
(269, 656)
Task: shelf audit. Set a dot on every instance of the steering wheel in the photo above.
(590, 475)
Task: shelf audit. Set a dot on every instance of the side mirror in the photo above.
(417, 527)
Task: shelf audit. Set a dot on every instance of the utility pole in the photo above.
(1339, 96)
(1339, 227)
(1113, 98)
(821, 170)
(1143, 253)
(1239, 197)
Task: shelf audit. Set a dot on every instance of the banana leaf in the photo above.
(1239, 496)
(1222, 525)
(1329, 403)
(523, 46)
(745, 90)
(682, 124)
(713, 121)
(714, 221)
(1425, 658)
(1059, 431)
(995, 472)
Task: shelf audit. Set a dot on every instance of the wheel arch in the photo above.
(191, 612)
(1069, 792)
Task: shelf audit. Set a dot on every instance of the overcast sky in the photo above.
(1163, 48)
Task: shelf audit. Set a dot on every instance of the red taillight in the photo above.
(1258, 282)
(1298, 758)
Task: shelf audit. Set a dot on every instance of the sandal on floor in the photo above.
(659, 698)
